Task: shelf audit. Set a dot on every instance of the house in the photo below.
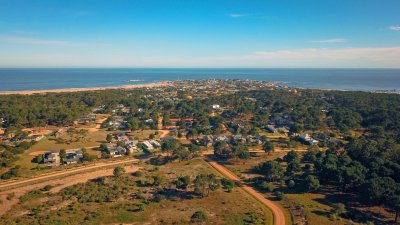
(33, 138)
(98, 109)
(313, 142)
(116, 151)
(238, 138)
(148, 145)
(87, 118)
(221, 138)
(257, 139)
(74, 156)
(52, 157)
(131, 146)
(207, 141)
(272, 128)
(307, 138)
(155, 144)
(215, 106)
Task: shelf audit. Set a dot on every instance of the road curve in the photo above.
(279, 217)
(61, 173)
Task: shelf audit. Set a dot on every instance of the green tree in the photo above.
(118, 171)
(227, 184)
(204, 183)
(272, 170)
(268, 147)
(63, 155)
(291, 156)
(311, 183)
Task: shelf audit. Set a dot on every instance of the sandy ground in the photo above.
(127, 87)
(58, 183)
(279, 218)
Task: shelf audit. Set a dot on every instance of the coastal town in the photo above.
(273, 141)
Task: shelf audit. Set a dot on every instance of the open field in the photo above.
(58, 183)
(135, 205)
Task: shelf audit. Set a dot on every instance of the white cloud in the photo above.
(336, 40)
(31, 41)
(395, 27)
(388, 57)
(236, 15)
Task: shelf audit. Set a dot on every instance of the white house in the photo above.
(148, 145)
(307, 138)
(216, 106)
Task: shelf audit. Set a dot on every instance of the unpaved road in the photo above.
(62, 173)
(164, 133)
(58, 183)
(279, 217)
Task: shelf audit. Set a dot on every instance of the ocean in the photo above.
(340, 79)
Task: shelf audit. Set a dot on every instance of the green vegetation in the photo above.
(152, 197)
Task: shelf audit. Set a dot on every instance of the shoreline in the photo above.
(70, 90)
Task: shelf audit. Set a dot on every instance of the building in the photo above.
(155, 144)
(116, 151)
(215, 106)
(307, 138)
(52, 157)
(148, 145)
(74, 156)
(272, 128)
(207, 141)
(131, 146)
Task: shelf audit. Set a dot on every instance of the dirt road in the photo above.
(163, 133)
(279, 218)
(58, 183)
(63, 173)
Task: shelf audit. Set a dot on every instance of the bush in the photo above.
(267, 186)
(279, 195)
(137, 173)
(199, 217)
(47, 188)
(118, 171)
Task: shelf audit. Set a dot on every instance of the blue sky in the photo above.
(199, 33)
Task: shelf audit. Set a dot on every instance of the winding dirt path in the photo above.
(279, 217)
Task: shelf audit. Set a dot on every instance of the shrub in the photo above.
(267, 186)
(118, 171)
(199, 217)
(279, 195)
(47, 188)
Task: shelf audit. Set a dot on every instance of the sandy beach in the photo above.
(126, 87)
